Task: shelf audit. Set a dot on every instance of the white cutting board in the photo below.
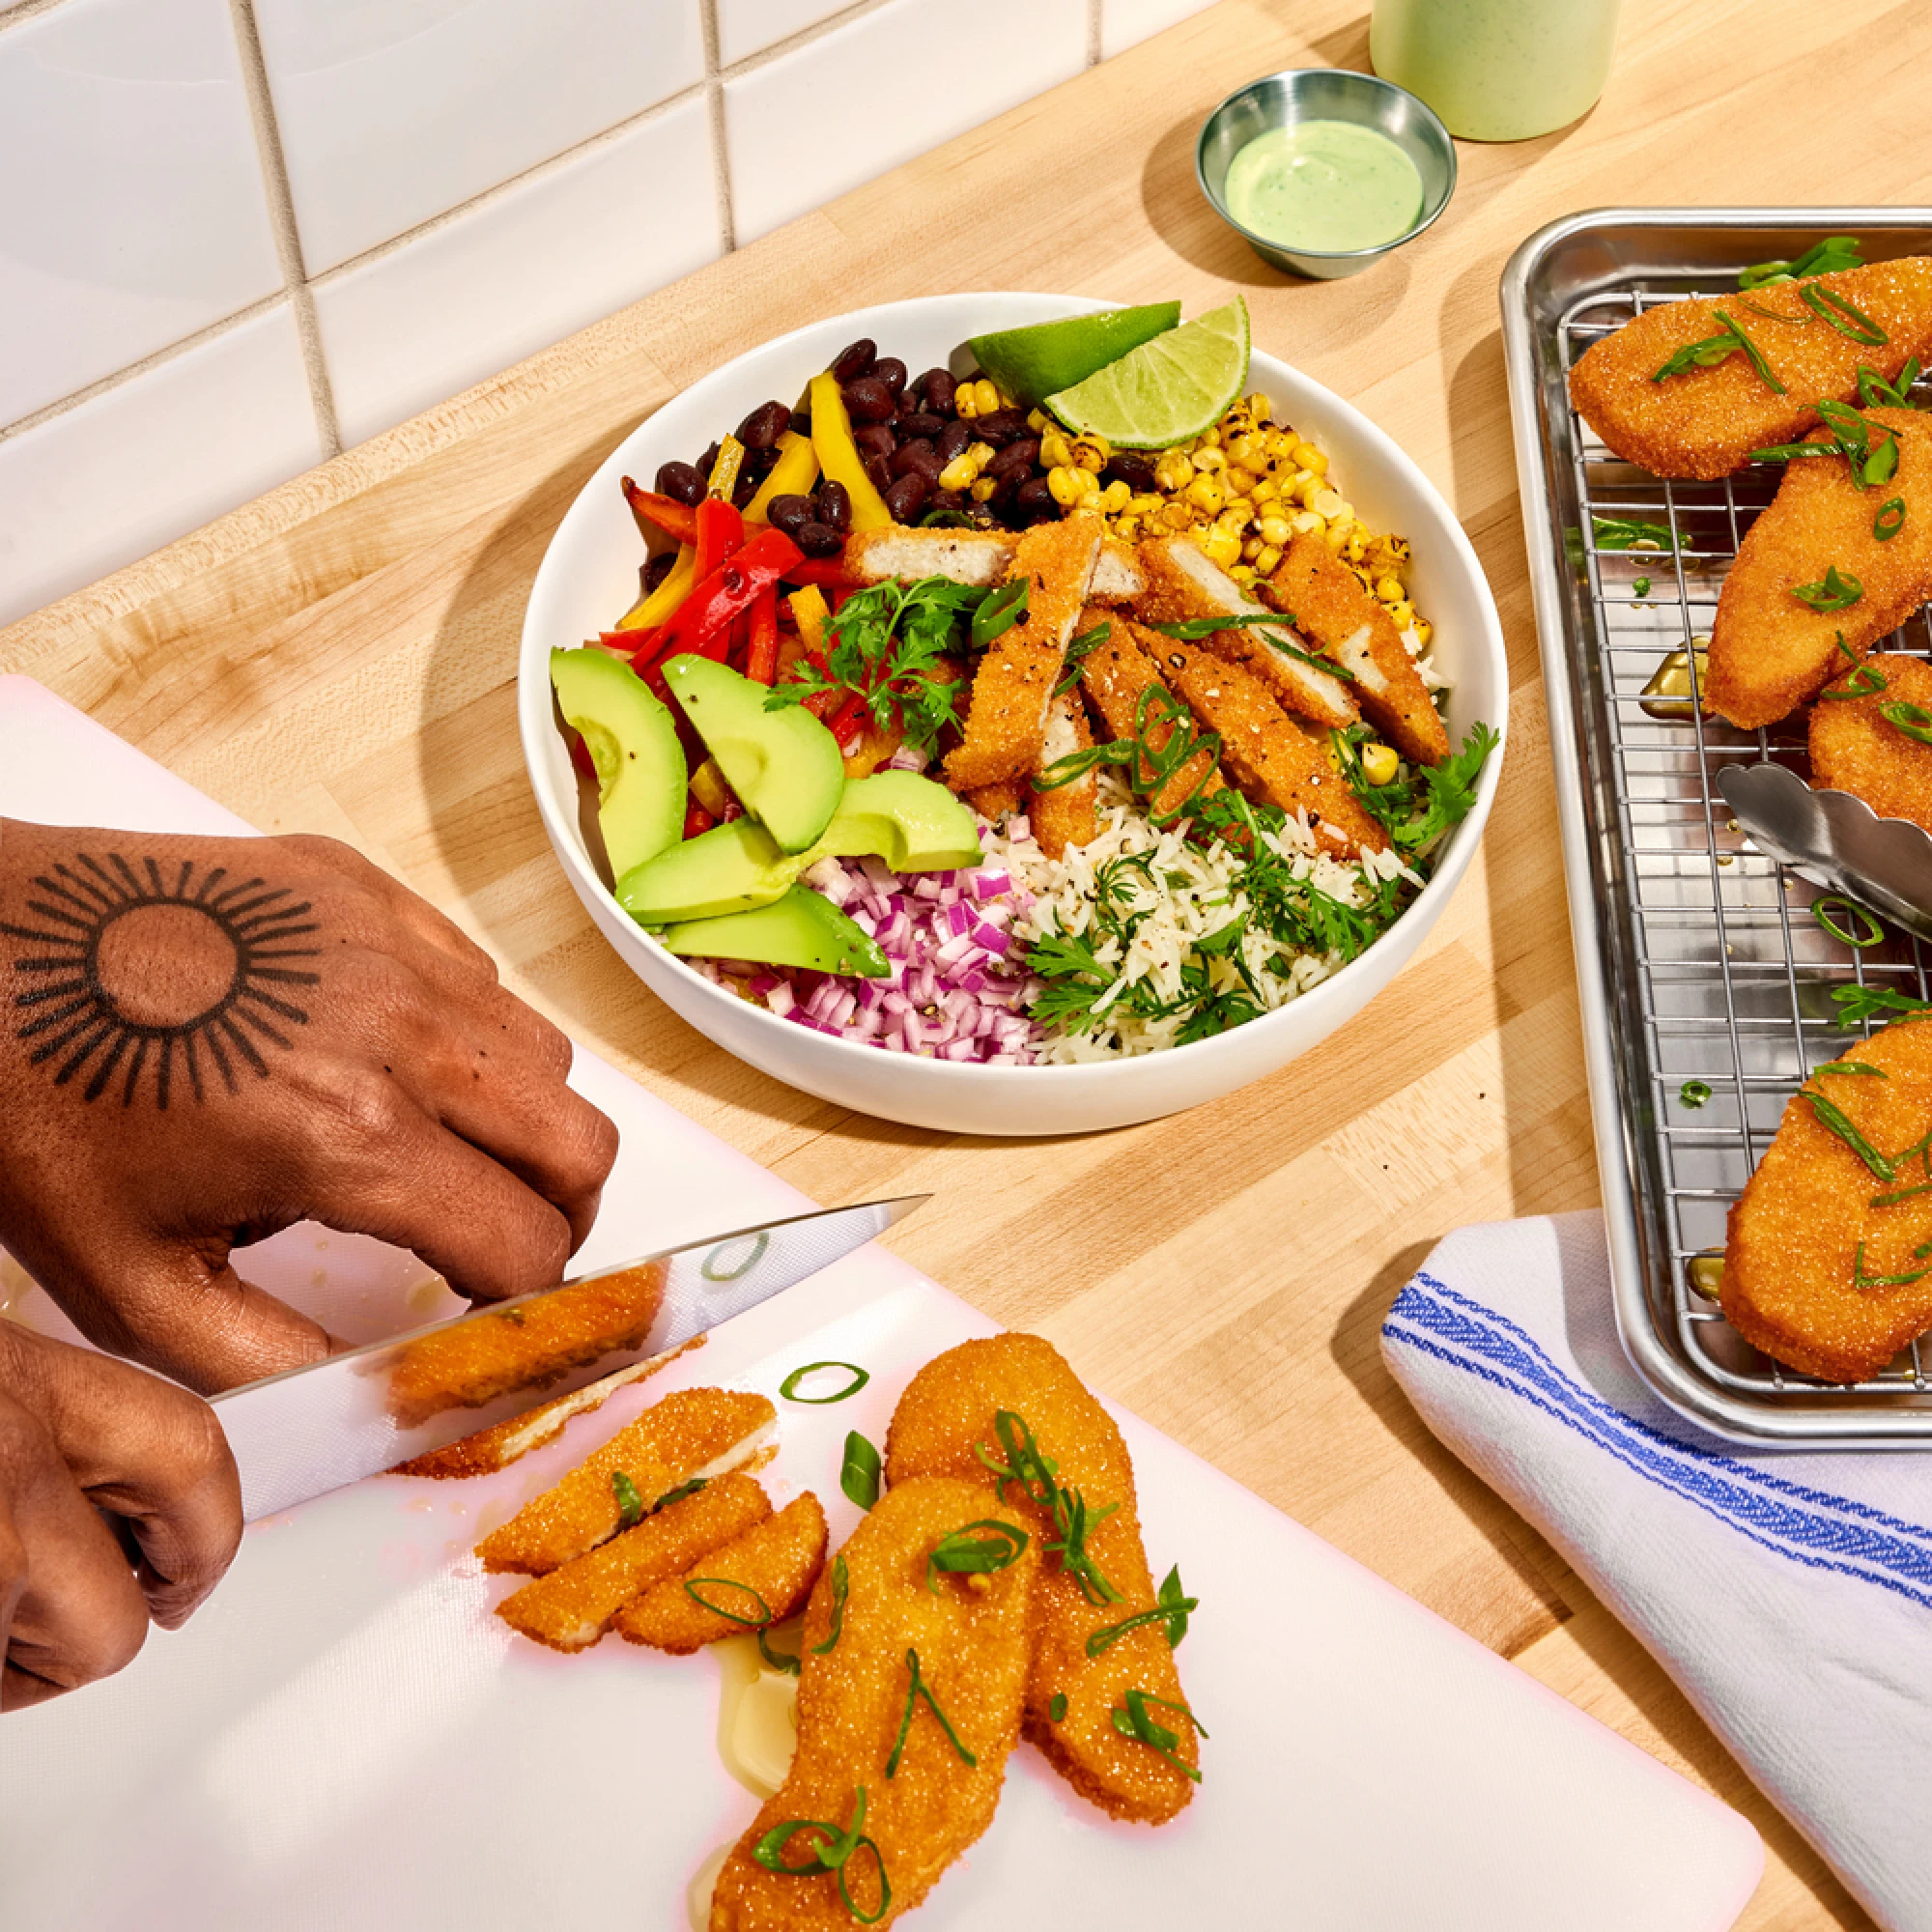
(345, 1738)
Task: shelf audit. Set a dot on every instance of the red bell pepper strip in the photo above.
(761, 651)
(820, 570)
(697, 819)
(721, 534)
(718, 598)
(664, 513)
(842, 718)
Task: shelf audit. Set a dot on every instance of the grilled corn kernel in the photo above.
(1037, 421)
(1206, 492)
(1275, 530)
(1353, 545)
(1235, 516)
(1126, 529)
(1332, 505)
(1175, 471)
(1265, 491)
(1212, 462)
(1304, 520)
(1222, 546)
(1251, 547)
(1269, 561)
(963, 404)
(1423, 630)
(1401, 615)
(1090, 499)
(981, 453)
(1259, 408)
(1176, 515)
(1280, 445)
(1310, 458)
(987, 397)
(1054, 453)
(1147, 504)
(959, 473)
(1379, 764)
(1240, 478)
(1208, 439)
(1388, 589)
(1335, 535)
(1305, 489)
(1247, 450)
(983, 488)
(1116, 498)
(1065, 485)
(1243, 574)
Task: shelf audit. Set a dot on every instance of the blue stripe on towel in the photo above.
(1466, 1335)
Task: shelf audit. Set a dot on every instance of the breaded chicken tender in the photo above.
(572, 1607)
(1006, 716)
(971, 1636)
(493, 1449)
(1264, 751)
(1330, 606)
(778, 1559)
(946, 1415)
(1706, 423)
(1065, 815)
(691, 1432)
(1114, 676)
(995, 802)
(1771, 652)
(1855, 749)
(971, 557)
(1825, 1264)
(1185, 583)
(527, 1347)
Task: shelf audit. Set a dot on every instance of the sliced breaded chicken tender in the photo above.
(973, 557)
(1769, 651)
(1184, 583)
(691, 1432)
(995, 802)
(1264, 751)
(572, 1607)
(1065, 815)
(760, 1576)
(1114, 676)
(1322, 593)
(1855, 749)
(527, 1347)
(1706, 423)
(948, 1414)
(971, 1638)
(1006, 718)
(1823, 1264)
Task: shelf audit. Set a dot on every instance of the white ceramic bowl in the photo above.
(589, 573)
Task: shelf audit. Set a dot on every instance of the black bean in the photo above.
(764, 425)
(659, 568)
(790, 514)
(1015, 456)
(835, 506)
(889, 371)
(681, 481)
(948, 500)
(906, 498)
(819, 540)
(877, 469)
(1132, 468)
(869, 400)
(938, 389)
(875, 439)
(854, 361)
(1033, 500)
(920, 422)
(1005, 487)
(1000, 427)
(706, 462)
(744, 488)
(918, 456)
(953, 440)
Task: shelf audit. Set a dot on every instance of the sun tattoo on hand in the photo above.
(134, 970)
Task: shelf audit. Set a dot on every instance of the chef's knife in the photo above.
(316, 1428)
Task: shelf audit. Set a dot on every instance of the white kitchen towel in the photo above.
(1790, 1596)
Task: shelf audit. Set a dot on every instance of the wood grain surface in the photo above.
(338, 657)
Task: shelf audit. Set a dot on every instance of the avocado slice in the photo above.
(632, 739)
(913, 823)
(798, 930)
(783, 764)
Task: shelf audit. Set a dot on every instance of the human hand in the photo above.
(203, 1040)
(79, 1434)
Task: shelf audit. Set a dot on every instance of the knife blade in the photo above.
(313, 1428)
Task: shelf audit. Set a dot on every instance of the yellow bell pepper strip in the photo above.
(810, 612)
(654, 608)
(725, 471)
(839, 455)
(793, 474)
(702, 623)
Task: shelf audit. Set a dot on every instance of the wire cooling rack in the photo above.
(1731, 971)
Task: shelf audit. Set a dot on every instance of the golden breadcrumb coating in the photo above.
(1706, 423)
(1065, 815)
(1771, 652)
(1184, 583)
(972, 1640)
(493, 1449)
(1113, 676)
(779, 1558)
(691, 1432)
(995, 802)
(1855, 749)
(1005, 716)
(524, 1347)
(572, 1607)
(1793, 1265)
(948, 1410)
(1322, 593)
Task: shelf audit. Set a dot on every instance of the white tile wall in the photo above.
(236, 235)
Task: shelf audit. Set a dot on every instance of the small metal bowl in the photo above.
(1324, 94)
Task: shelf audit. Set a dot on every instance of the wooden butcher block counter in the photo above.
(339, 656)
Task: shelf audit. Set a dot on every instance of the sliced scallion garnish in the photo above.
(1858, 1004)
(1730, 341)
(1056, 1709)
(1836, 590)
(860, 1475)
(780, 1660)
(1846, 317)
(1072, 1519)
(1823, 258)
(1913, 720)
(836, 1850)
(1826, 910)
(914, 1690)
(1627, 532)
(960, 1552)
(1854, 1066)
(1077, 653)
(678, 1494)
(1171, 1607)
(1832, 1115)
(789, 1389)
(1693, 1094)
(1861, 1279)
(1889, 520)
(758, 1622)
(630, 1504)
(1000, 612)
(840, 1585)
(1137, 1722)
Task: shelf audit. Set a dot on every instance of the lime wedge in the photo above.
(1029, 363)
(1166, 390)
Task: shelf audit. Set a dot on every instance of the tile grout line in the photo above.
(1094, 7)
(282, 219)
(817, 31)
(714, 112)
